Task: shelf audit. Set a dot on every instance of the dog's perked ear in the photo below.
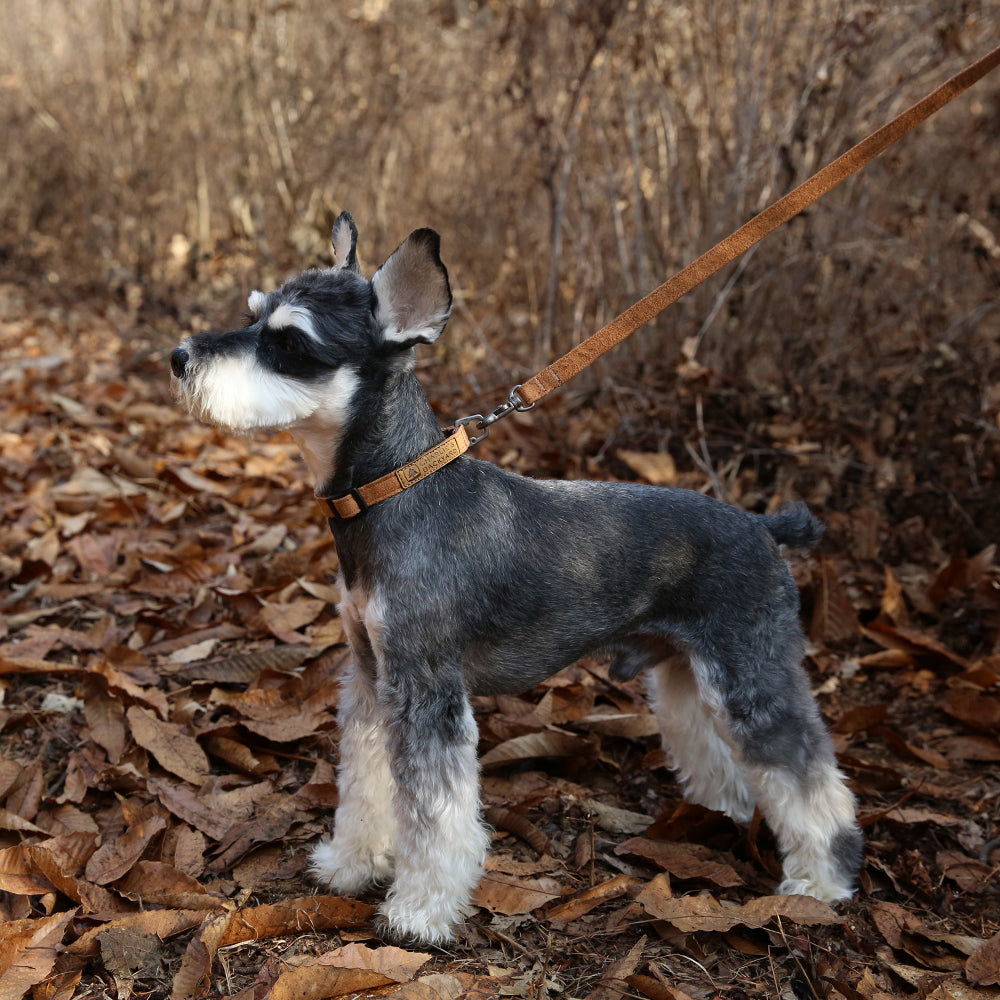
(412, 294)
(345, 241)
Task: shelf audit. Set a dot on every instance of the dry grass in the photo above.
(572, 153)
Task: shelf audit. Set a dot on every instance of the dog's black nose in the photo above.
(178, 359)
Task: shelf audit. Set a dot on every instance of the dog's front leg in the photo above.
(360, 852)
(441, 841)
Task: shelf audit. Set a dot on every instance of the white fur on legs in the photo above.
(690, 723)
(360, 852)
(441, 846)
(808, 816)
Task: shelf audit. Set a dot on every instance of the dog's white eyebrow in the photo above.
(288, 315)
(255, 303)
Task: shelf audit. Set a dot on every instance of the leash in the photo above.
(523, 397)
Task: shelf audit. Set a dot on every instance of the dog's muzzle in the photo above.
(178, 361)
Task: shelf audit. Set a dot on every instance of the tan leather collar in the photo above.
(362, 497)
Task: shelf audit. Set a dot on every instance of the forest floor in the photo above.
(169, 654)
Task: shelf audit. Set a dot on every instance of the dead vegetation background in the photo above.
(169, 643)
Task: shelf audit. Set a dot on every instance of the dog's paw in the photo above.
(403, 924)
(827, 892)
(348, 870)
(422, 910)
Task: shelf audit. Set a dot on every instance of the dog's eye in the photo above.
(284, 339)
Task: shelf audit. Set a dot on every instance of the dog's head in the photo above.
(307, 345)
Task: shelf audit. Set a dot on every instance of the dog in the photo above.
(476, 580)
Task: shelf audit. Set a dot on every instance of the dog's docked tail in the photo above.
(794, 525)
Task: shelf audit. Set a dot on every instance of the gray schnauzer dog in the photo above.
(479, 581)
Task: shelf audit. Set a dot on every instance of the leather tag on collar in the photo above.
(362, 497)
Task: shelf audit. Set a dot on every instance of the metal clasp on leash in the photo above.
(509, 405)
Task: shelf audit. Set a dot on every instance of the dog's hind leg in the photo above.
(786, 753)
(692, 727)
(441, 842)
(812, 814)
(360, 852)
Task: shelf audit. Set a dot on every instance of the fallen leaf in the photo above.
(96, 555)
(124, 686)
(156, 883)
(295, 727)
(628, 725)
(31, 665)
(590, 898)
(128, 952)
(197, 483)
(274, 817)
(683, 861)
(284, 620)
(316, 982)
(969, 748)
(195, 970)
(518, 824)
(12, 821)
(62, 981)
(105, 716)
(962, 573)
(861, 717)
(266, 543)
(240, 756)
(981, 711)
(657, 468)
(244, 667)
(705, 913)
(28, 951)
(509, 895)
(174, 750)
(396, 963)
(293, 916)
(70, 851)
(914, 815)
(16, 875)
(615, 820)
(834, 615)
(184, 804)
(438, 986)
(912, 641)
(614, 980)
(983, 966)
(25, 798)
(162, 923)
(927, 755)
(892, 920)
(195, 652)
(893, 607)
(117, 855)
(189, 849)
(536, 746)
(56, 866)
(655, 990)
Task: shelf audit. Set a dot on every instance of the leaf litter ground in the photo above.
(169, 657)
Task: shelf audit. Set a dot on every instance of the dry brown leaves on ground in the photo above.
(169, 656)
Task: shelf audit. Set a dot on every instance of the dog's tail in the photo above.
(794, 525)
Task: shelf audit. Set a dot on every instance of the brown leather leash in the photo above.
(523, 397)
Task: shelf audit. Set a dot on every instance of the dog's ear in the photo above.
(412, 294)
(345, 241)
